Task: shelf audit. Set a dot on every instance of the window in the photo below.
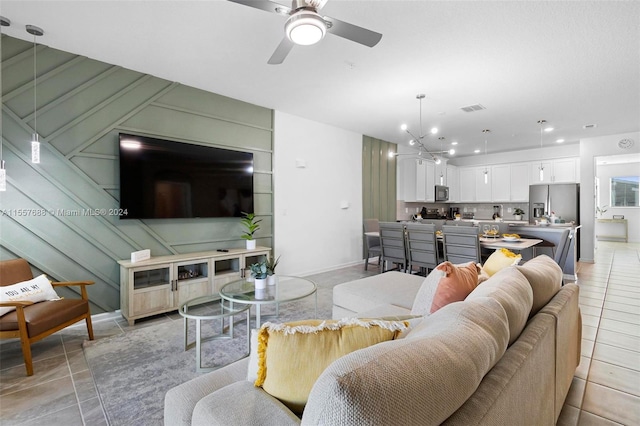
(624, 191)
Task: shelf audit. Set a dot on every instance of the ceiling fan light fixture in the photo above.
(305, 28)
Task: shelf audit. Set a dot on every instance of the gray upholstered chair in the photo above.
(562, 250)
(393, 243)
(372, 246)
(461, 244)
(422, 246)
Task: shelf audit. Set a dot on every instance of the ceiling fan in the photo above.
(305, 26)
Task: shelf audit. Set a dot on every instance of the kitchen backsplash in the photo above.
(404, 210)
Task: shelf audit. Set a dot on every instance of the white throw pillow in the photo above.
(424, 299)
(35, 290)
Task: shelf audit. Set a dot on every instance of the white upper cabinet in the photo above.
(467, 181)
(564, 170)
(555, 171)
(430, 172)
(520, 182)
(452, 183)
(500, 179)
(483, 190)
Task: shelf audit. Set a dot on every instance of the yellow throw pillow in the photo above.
(500, 259)
(292, 356)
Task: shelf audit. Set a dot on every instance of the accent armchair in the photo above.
(31, 322)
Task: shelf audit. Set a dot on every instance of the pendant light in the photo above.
(541, 167)
(4, 22)
(441, 174)
(35, 140)
(486, 166)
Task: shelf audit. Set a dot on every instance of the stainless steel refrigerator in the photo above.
(563, 199)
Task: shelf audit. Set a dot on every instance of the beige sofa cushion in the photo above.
(512, 290)
(419, 380)
(545, 277)
(391, 288)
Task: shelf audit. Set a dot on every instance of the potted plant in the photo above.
(259, 273)
(518, 213)
(601, 210)
(271, 270)
(251, 224)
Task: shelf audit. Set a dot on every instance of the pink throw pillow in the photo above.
(459, 281)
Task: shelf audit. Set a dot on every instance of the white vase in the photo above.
(272, 279)
(251, 244)
(260, 283)
(260, 293)
(518, 217)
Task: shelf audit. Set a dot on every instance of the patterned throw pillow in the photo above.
(34, 290)
(292, 356)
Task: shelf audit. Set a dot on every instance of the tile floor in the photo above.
(605, 391)
(606, 387)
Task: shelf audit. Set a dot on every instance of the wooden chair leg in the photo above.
(24, 341)
(89, 327)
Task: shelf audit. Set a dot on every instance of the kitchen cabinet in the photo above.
(519, 174)
(500, 177)
(452, 183)
(430, 181)
(467, 181)
(483, 190)
(562, 170)
(163, 283)
(419, 180)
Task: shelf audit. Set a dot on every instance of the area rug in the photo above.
(134, 370)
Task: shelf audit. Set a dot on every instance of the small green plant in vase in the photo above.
(259, 273)
(251, 225)
(518, 213)
(271, 270)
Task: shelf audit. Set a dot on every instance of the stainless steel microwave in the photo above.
(442, 193)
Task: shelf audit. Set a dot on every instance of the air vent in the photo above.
(472, 108)
(589, 126)
(625, 143)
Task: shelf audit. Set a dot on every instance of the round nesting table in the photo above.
(210, 308)
(286, 289)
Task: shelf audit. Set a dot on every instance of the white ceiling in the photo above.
(571, 63)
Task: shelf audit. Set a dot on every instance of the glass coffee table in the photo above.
(286, 289)
(210, 308)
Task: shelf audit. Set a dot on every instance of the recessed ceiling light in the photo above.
(548, 129)
(434, 130)
(589, 126)
(477, 151)
(560, 140)
(454, 143)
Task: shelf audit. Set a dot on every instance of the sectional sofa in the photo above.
(505, 355)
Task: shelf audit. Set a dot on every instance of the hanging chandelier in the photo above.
(419, 139)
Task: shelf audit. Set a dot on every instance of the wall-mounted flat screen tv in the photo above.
(162, 179)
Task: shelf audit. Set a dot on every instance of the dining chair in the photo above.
(393, 243)
(422, 246)
(461, 243)
(31, 322)
(372, 246)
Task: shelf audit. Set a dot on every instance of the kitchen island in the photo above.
(552, 234)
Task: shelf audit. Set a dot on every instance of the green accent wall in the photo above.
(82, 105)
(378, 179)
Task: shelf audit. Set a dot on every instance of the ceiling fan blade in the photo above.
(352, 32)
(265, 5)
(281, 52)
